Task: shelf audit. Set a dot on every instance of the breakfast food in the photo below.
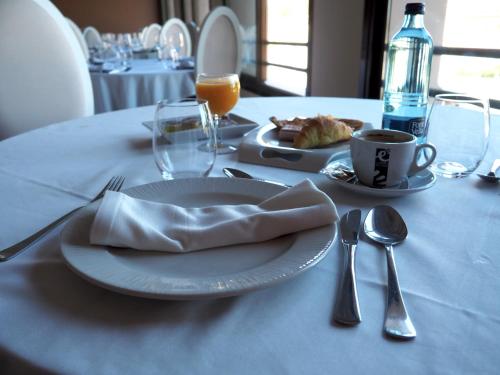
(322, 133)
(319, 131)
(297, 121)
(354, 124)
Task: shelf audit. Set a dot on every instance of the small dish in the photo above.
(238, 128)
(263, 146)
(342, 161)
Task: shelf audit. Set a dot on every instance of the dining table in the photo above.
(55, 321)
(141, 82)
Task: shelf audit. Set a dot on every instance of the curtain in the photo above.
(187, 10)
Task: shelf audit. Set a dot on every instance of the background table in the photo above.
(54, 321)
(147, 82)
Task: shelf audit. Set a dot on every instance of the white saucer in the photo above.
(421, 181)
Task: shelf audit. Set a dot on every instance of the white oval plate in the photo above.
(211, 273)
(421, 181)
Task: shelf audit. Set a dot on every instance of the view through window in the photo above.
(466, 38)
(275, 45)
(286, 38)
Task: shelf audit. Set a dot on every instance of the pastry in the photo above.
(288, 132)
(326, 130)
(322, 133)
(355, 124)
(297, 121)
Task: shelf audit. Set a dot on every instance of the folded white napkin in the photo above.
(123, 221)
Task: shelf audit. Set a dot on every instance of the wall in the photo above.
(336, 47)
(115, 16)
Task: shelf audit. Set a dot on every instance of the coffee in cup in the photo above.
(384, 158)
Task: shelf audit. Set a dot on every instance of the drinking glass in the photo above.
(458, 125)
(124, 45)
(181, 131)
(222, 92)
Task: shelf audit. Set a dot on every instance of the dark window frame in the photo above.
(257, 83)
(375, 28)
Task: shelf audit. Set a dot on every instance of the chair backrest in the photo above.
(175, 33)
(43, 73)
(219, 47)
(152, 36)
(142, 34)
(92, 37)
(79, 37)
(194, 32)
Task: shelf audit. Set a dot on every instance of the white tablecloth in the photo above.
(53, 321)
(147, 82)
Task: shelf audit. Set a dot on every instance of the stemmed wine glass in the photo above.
(222, 92)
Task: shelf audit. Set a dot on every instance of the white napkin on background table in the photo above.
(123, 221)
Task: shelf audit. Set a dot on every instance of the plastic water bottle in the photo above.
(407, 75)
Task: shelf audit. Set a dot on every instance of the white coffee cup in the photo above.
(384, 158)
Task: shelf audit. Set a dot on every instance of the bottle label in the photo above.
(415, 126)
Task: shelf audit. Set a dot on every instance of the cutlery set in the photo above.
(384, 225)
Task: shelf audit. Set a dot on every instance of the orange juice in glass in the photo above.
(222, 92)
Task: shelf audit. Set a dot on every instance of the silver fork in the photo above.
(115, 184)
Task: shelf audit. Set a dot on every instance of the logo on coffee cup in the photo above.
(382, 156)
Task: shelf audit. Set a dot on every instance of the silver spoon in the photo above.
(491, 176)
(237, 173)
(384, 225)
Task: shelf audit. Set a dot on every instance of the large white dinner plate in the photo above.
(422, 180)
(211, 273)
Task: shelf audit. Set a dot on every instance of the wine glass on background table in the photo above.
(222, 92)
(181, 132)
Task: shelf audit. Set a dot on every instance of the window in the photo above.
(275, 45)
(466, 45)
(285, 38)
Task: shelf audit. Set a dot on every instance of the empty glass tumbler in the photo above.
(458, 125)
(181, 132)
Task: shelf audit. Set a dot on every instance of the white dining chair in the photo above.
(219, 48)
(174, 33)
(152, 36)
(92, 37)
(79, 37)
(194, 32)
(44, 77)
(142, 34)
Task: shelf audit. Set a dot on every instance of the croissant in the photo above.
(322, 131)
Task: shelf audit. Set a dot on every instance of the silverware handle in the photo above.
(495, 166)
(15, 249)
(275, 183)
(397, 321)
(347, 305)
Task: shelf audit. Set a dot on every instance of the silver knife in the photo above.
(347, 305)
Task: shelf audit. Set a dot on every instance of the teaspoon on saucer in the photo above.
(491, 176)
